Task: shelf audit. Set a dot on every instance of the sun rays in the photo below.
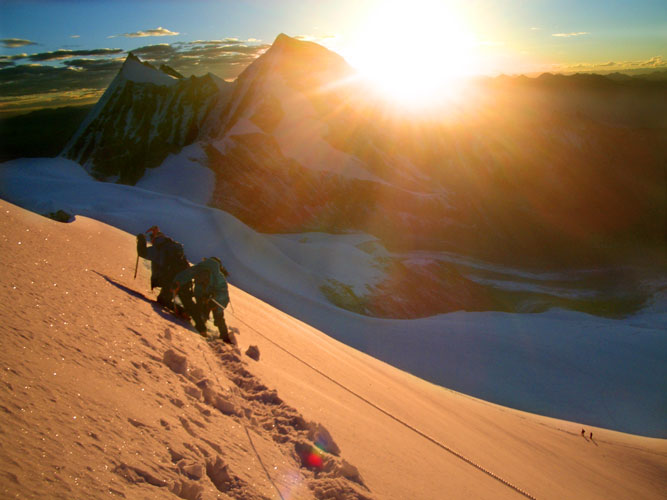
(414, 53)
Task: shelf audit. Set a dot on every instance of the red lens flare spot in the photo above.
(314, 460)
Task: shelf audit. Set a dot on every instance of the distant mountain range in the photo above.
(554, 172)
(41, 133)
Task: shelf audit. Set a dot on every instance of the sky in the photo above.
(54, 53)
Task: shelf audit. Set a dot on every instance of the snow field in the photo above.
(568, 365)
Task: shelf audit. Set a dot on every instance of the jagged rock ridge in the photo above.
(145, 114)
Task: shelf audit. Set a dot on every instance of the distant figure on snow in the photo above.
(210, 292)
(167, 259)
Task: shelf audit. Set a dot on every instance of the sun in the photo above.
(414, 52)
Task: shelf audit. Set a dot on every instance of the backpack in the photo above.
(170, 261)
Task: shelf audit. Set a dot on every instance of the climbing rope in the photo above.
(260, 461)
(393, 417)
(252, 444)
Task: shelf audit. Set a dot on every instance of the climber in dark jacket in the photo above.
(167, 259)
(210, 292)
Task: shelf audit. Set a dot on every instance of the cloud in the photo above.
(13, 57)
(28, 87)
(202, 56)
(61, 73)
(224, 58)
(75, 36)
(216, 46)
(317, 39)
(29, 79)
(65, 54)
(160, 31)
(568, 35)
(111, 65)
(160, 51)
(31, 102)
(589, 66)
(6, 61)
(653, 62)
(12, 43)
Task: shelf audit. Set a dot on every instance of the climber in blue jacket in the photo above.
(210, 292)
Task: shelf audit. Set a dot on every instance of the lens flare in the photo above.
(314, 460)
(414, 52)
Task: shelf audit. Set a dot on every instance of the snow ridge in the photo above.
(139, 72)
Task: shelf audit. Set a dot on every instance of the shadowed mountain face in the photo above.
(144, 115)
(552, 172)
(41, 133)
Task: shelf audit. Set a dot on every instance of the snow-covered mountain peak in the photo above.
(286, 95)
(171, 71)
(283, 39)
(302, 48)
(141, 72)
(219, 82)
(300, 62)
(137, 123)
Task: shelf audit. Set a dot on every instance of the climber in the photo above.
(210, 293)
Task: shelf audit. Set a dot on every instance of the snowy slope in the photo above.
(183, 174)
(135, 71)
(104, 395)
(337, 257)
(138, 407)
(568, 365)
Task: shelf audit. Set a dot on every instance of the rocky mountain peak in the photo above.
(138, 71)
(171, 71)
(300, 60)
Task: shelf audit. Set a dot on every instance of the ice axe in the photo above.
(221, 306)
(136, 266)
